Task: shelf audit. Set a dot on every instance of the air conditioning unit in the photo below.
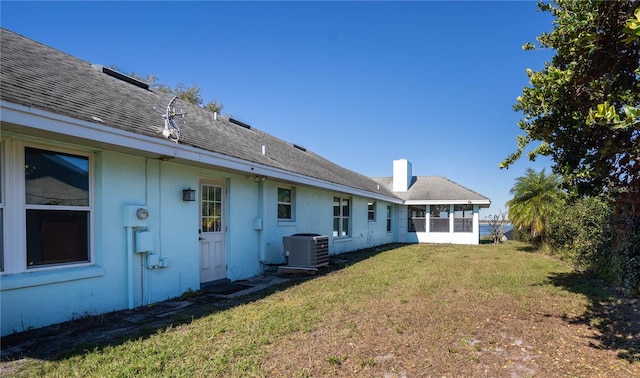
(306, 250)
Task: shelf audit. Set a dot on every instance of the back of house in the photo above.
(109, 202)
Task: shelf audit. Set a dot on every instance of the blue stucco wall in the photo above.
(118, 279)
(313, 213)
(40, 297)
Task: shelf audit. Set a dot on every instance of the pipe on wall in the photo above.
(262, 204)
(129, 258)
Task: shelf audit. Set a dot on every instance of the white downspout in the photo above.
(129, 257)
(134, 219)
(262, 204)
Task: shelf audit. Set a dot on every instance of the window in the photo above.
(45, 206)
(57, 207)
(417, 218)
(341, 213)
(439, 219)
(389, 218)
(463, 218)
(371, 211)
(285, 204)
(1, 210)
(1, 239)
(211, 220)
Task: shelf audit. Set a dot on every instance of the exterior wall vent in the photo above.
(306, 250)
(300, 147)
(235, 121)
(122, 77)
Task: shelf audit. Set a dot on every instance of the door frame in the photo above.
(223, 226)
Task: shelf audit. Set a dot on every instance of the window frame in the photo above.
(372, 207)
(389, 219)
(2, 212)
(341, 218)
(291, 204)
(439, 209)
(466, 222)
(214, 220)
(419, 220)
(16, 206)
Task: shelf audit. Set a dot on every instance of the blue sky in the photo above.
(360, 83)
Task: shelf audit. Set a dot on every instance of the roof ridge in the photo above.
(84, 94)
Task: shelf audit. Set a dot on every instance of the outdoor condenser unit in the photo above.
(306, 250)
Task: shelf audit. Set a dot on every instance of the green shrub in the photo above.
(581, 233)
(626, 256)
(588, 235)
(524, 235)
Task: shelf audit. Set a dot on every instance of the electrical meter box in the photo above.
(144, 241)
(153, 260)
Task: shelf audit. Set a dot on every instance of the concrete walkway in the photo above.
(78, 336)
(54, 341)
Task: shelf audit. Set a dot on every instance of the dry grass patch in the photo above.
(436, 310)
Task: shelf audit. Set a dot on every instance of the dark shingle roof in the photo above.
(38, 76)
(433, 188)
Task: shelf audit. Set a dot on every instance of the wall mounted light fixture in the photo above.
(259, 178)
(188, 194)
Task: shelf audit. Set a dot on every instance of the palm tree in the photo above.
(535, 196)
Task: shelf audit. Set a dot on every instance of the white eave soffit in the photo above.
(447, 202)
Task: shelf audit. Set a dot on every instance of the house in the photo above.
(108, 202)
(437, 209)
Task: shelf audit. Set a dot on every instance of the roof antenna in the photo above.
(171, 130)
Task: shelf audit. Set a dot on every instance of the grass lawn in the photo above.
(418, 310)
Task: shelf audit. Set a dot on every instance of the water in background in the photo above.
(485, 230)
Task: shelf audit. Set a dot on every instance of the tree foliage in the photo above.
(586, 233)
(497, 224)
(606, 114)
(583, 108)
(626, 255)
(535, 197)
(581, 233)
(593, 78)
(191, 94)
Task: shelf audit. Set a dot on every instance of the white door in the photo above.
(213, 262)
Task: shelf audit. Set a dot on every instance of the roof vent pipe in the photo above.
(264, 150)
(215, 116)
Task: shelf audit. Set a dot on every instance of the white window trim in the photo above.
(449, 219)
(292, 203)
(341, 216)
(453, 208)
(389, 219)
(15, 207)
(2, 201)
(426, 218)
(375, 210)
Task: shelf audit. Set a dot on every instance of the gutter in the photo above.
(35, 118)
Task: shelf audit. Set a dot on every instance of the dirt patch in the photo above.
(404, 340)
